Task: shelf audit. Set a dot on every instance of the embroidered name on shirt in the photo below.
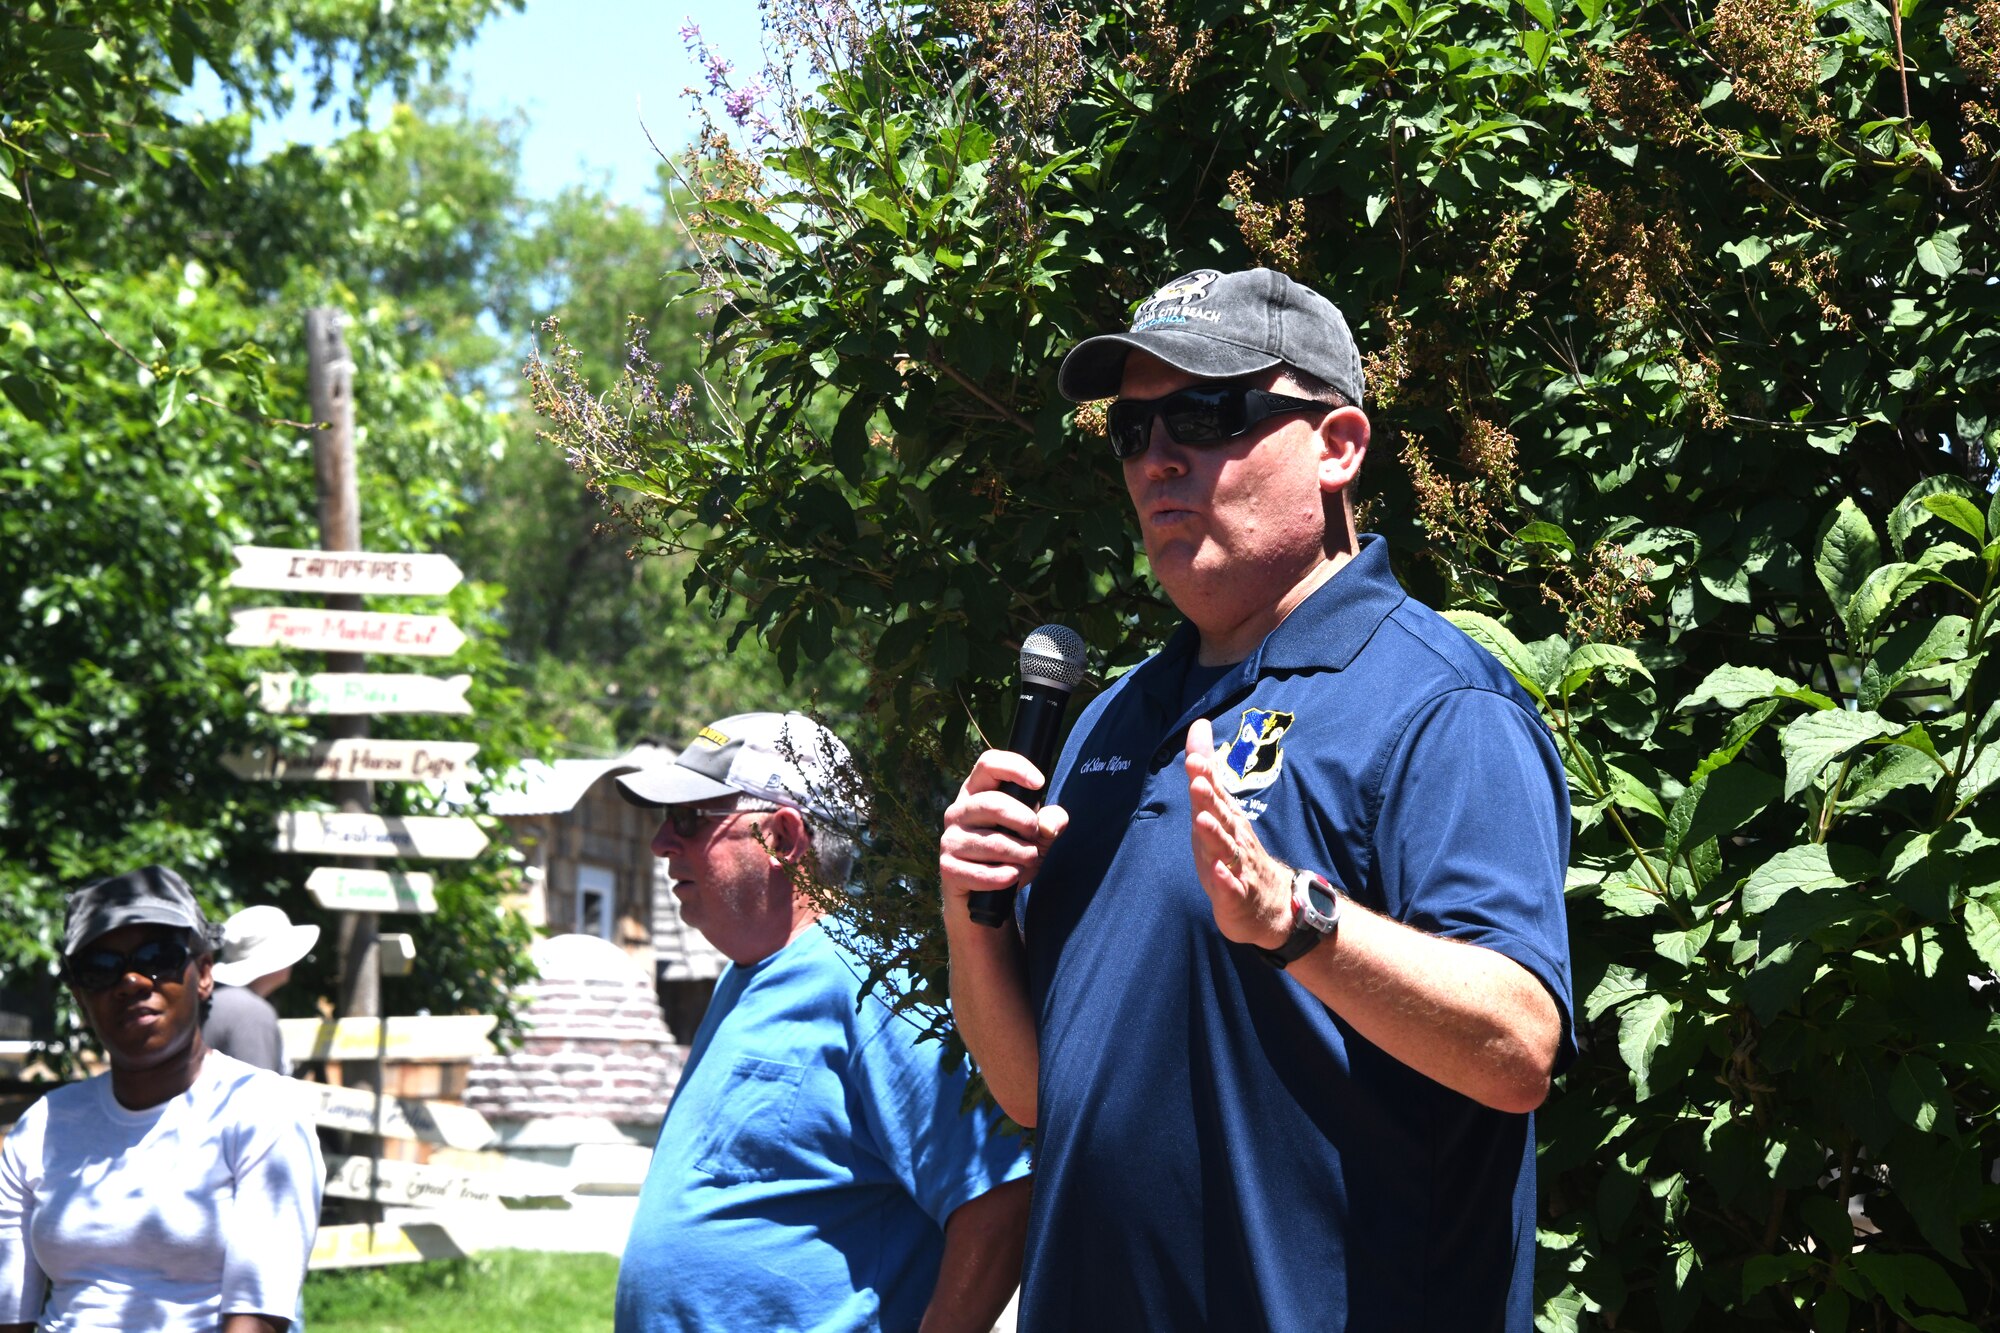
(1117, 763)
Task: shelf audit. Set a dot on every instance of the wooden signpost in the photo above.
(410, 1185)
(354, 1110)
(433, 1037)
(344, 889)
(284, 570)
(367, 759)
(355, 692)
(332, 631)
(328, 833)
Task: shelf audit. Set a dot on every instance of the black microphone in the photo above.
(1051, 666)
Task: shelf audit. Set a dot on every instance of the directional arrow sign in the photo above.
(431, 1037)
(410, 1185)
(361, 692)
(341, 889)
(343, 571)
(345, 631)
(359, 760)
(324, 833)
(353, 1109)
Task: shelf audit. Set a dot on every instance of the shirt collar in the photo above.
(1324, 632)
(1335, 622)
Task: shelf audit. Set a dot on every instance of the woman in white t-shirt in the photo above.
(179, 1191)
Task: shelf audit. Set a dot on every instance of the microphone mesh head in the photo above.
(1053, 655)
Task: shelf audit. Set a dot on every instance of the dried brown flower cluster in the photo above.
(715, 169)
(1813, 274)
(1975, 41)
(1160, 55)
(1491, 452)
(1274, 233)
(1495, 272)
(1698, 379)
(1771, 49)
(1631, 266)
(1092, 418)
(1385, 370)
(1030, 53)
(1601, 594)
(1642, 97)
(1456, 512)
(992, 488)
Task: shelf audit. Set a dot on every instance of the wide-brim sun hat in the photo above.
(258, 941)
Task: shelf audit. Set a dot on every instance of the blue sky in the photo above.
(581, 72)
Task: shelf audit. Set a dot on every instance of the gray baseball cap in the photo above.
(785, 758)
(153, 896)
(1219, 326)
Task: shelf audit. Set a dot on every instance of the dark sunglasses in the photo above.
(685, 819)
(158, 961)
(1199, 414)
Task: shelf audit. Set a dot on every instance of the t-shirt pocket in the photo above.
(747, 1136)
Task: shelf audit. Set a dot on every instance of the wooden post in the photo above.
(330, 378)
(330, 381)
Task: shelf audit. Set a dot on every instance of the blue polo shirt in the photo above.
(1216, 1149)
(808, 1163)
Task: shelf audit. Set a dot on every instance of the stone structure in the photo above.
(596, 1051)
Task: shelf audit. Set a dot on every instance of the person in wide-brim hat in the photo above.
(260, 945)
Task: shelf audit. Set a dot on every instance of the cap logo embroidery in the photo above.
(1175, 302)
(712, 736)
(1254, 757)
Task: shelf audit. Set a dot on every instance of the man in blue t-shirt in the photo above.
(814, 1170)
(1291, 971)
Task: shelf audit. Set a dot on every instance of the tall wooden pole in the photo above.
(330, 381)
(330, 378)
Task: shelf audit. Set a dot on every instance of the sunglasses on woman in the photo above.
(1199, 414)
(159, 961)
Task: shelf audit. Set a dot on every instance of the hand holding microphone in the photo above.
(1052, 659)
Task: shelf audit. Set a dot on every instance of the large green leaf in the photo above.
(1848, 553)
(1498, 640)
(1812, 742)
(1916, 508)
(1719, 802)
(1808, 867)
(1644, 1026)
(1735, 686)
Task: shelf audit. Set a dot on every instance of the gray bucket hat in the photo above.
(1219, 326)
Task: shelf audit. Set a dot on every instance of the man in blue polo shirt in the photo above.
(1292, 972)
(815, 1170)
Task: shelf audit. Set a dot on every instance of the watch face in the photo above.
(1322, 909)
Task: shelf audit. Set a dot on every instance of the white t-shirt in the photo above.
(163, 1219)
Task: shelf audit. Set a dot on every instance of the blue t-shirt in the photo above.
(808, 1162)
(1215, 1147)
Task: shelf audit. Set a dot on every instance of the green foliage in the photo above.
(120, 695)
(1678, 324)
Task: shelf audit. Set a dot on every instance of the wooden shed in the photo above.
(591, 871)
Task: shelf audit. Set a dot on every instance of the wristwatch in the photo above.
(1315, 917)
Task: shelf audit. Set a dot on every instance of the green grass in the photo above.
(503, 1291)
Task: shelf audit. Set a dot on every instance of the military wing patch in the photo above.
(1254, 757)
